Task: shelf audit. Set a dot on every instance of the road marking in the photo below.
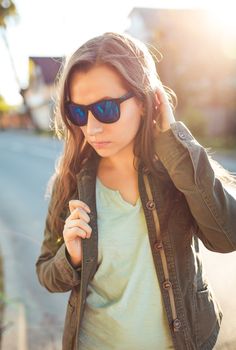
(22, 328)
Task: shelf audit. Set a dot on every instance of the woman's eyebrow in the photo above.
(103, 98)
(100, 99)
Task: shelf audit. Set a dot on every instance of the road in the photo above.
(27, 161)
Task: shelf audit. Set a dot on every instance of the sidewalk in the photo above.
(19, 334)
(14, 334)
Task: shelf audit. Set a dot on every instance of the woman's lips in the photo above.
(101, 144)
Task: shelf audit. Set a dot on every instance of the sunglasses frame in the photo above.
(91, 106)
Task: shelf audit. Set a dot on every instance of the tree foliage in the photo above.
(4, 106)
(7, 9)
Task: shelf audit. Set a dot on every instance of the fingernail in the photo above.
(87, 208)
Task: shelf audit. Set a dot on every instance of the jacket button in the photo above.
(158, 245)
(151, 205)
(146, 170)
(167, 284)
(176, 325)
(182, 135)
(155, 158)
(90, 259)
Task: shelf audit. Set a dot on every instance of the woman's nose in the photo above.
(94, 126)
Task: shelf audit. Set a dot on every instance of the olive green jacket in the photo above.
(183, 202)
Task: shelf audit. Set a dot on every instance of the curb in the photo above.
(14, 336)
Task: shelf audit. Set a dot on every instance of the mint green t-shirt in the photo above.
(124, 308)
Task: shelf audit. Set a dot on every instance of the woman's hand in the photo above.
(166, 114)
(76, 227)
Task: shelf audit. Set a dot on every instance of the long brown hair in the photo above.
(135, 64)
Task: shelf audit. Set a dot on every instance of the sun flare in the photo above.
(223, 16)
(222, 21)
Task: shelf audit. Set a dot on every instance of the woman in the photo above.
(133, 194)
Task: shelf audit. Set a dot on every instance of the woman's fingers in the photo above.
(166, 116)
(79, 213)
(76, 228)
(79, 223)
(158, 102)
(76, 225)
(76, 203)
(73, 233)
(161, 96)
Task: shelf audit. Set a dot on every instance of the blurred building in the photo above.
(193, 61)
(41, 90)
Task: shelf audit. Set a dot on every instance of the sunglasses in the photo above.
(106, 111)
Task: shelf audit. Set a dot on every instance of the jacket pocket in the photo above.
(208, 315)
(69, 332)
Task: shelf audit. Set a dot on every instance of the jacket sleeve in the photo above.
(191, 171)
(53, 268)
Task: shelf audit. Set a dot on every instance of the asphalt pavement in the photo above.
(34, 317)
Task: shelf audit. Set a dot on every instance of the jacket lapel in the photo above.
(86, 185)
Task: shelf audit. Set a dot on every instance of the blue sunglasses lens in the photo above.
(106, 111)
(78, 115)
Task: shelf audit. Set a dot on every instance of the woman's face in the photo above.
(103, 82)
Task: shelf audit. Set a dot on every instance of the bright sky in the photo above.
(56, 27)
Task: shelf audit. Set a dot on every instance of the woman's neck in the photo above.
(120, 163)
(119, 173)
